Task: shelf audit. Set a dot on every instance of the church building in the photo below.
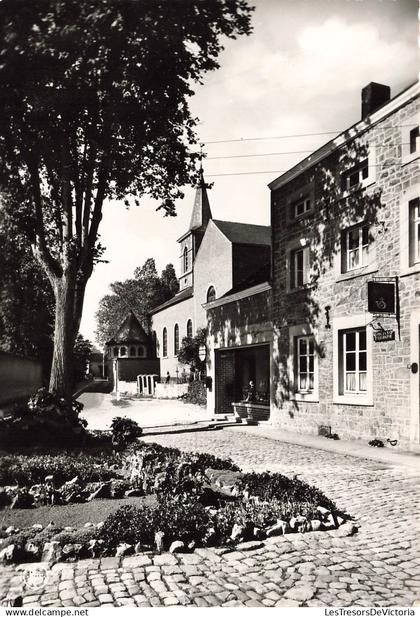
(215, 257)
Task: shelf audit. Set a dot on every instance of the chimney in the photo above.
(374, 96)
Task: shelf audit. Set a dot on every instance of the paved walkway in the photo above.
(379, 566)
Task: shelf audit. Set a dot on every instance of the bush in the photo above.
(175, 518)
(47, 420)
(268, 486)
(124, 432)
(26, 470)
(197, 393)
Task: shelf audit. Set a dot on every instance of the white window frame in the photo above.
(304, 193)
(339, 326)
(307, 207)
(407, 264)
(363, 255)
(295, 333)
(293, 248)
(371, 175)
(343, 335)
(340, 259)
(408, 125)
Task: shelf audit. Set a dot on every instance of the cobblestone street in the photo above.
(379, 566)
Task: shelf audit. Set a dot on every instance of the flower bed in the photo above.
(198, 500)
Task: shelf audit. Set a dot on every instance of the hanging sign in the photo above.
(379, 336)
(381, 297)
(202, 352)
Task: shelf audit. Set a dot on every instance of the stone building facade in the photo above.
(348, 214)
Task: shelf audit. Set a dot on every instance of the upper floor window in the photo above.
(300, 207)
(176, 339)
(305, 364)
(414, 135)
(211, 294)
(352, 361)
(141, 351)
(133, 351)
(355, 248)
(185, 259)
(123, 351)
(355, 176)
(115, 351)
(299, 267)
(414, 231)
(189, 328)
(410, 140)
(164, 342)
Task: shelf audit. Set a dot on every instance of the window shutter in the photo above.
(306, 264)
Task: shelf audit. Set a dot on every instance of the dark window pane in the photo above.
(311, 345)
(302, 346)
(311, 364)
(362, 361)
(353, 239)
(303, 364)
(362, 339)
(365, 172)
(351, 361)
(351, 341)
(365, 235)
(414, 133)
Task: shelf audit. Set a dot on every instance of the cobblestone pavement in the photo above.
(379, 566)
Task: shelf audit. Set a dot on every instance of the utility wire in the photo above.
(281, 171)
(244, 156)
(292, 135)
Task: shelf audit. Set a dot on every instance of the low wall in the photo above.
(19, 377)
(170, 390)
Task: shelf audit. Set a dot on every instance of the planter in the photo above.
(255, 412)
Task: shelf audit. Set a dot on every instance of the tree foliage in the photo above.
(189, 350)
(82, 352)
(140, 294)
(95, 104)
(26, 298)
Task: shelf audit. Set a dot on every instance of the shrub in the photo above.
(124, 432)
(269, 486)
(177, 519)
(47, 420)
(196, 394)
(26, 470)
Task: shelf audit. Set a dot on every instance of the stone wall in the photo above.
(19, 377)
(393, 412)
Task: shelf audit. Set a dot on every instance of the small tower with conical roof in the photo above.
(191, 240)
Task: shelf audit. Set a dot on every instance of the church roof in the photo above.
(130, 331)
(201, 213)
(179, 297)
(245, 233)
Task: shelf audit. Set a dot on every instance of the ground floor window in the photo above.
(305, 364)
(353, 361)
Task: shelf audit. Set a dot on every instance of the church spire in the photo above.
(201, 213)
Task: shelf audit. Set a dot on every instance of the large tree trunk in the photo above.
(61, 380)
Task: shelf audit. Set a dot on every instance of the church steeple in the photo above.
(201, 213)
(191, 240)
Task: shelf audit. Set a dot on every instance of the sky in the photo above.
(300, 72)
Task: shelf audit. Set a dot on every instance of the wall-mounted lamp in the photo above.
(327, 318)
